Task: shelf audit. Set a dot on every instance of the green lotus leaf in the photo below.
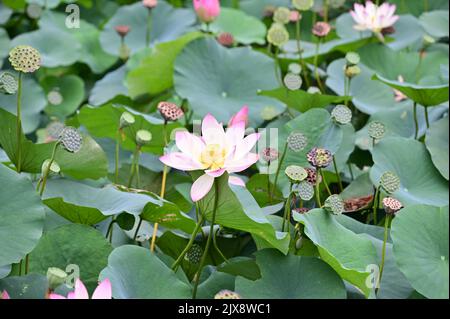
(435, 23)
(72, 245)
(207, 74)
(4, 42)
(421, 183)
(216, 282)
(14, 4)
(109, 87)
(5, 14)
(437, 144)
(418, 7)
(4, 271)
(351, 255)
(291, 277)
(257, 8)
(146, 276)
(21, 216)
(32, 286)
(244, 28)
(167, 24)
(420, 238)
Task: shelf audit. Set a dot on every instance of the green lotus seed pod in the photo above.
(376, 130)
(352, 58)
(305, 190)
(126, 119)
(268, 113)
(313, 90)
(55, 277)
(34, 11)
(428, 40)
(55, 97)
(277, 35)
(352, 71)
(143, 137)
(297, 141)
(194, 255)
(71, 139)
(390, 182)
(302, 5)
(341, 114)
(25, 59)
(8, 83)
(292, 81)
(295, 68)
(334, 204)
(54, 168)
(227, 294)
(295, 173)
(282, 15)
(299, 243)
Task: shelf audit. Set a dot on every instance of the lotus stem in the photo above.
(148, 29)
(427, 120)
(216, 247)
(116, 171)
(341, 188)
(416, 122)
(317, 193)
(27, 263)
(278, 173)
(287, 208)
(316, 68)
(48, 169)
(383, 251)
(325, 182)
(278, 72)
(325, 10)
(109, 232)
(375, 205)
(208, 241)
(137, 228)
(299, 49)
(19, 124)
(134, 168)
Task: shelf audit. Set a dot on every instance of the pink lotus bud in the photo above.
(150, 3)
(241, 116)
(207, 10)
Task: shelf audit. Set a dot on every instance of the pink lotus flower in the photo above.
(215, 152)
(150, 3)
(207, 10)
(103, 291)
(4, 295)
(372, 17)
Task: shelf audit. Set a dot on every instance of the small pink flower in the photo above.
(207, 10)
(150, 3)
(374, 18)
(122, 30)
(103, 291)
(294, 16)
(241, 116)
(215, 152)
(4, 295)
(321, 29)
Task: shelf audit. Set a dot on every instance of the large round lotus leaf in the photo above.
(257, 8)
(437, 144)
(32, 286)
(291, 277)
(399, 121)
(88, 37)
(4, 43)
(154, 73)
(56, 46)
(14, 4)
(89, 162)
(21, 216)
(76, 245)
(147, 277)
(239, 210)
(244, 28)
(421, 183)
(4, 271)
(64, 95)
(110, 86)
(408, 31)
(5, 14)
(418, 7)
(435, 23)
(167, 24)
(33, 102)
(420, 237)
(367, 95)
(209, 75)
(351, 255)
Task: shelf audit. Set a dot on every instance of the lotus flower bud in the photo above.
(321, 29)
(207, 10)
(25, 59)
(150, 3)
(55, 277)
(122, 30)
(226, 39)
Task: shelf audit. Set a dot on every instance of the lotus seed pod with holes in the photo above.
(8, 83)
(194, 255)
(312, 176)
(143, 137)
(319, 157)
(25, 59)
(352, 71)
(282, 15)
(390, 182)
(269, 154)
(303, 5)
(55, 277)
(352, 58)
(34, 11)
(313, 90)
(334, 204)
(295, 68)
(295, 173)
(305, 190)
(341, 114)
(277, 35)
(170, 111)
(71, 139)
(299, 243)
(126, 119)
(376, 130)
(54, 97)
(227, 294)
(302, 210)
(293, 81)
(391, 205)
(297, 141)
(54, 130)
(54, 168)
(268, 113)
